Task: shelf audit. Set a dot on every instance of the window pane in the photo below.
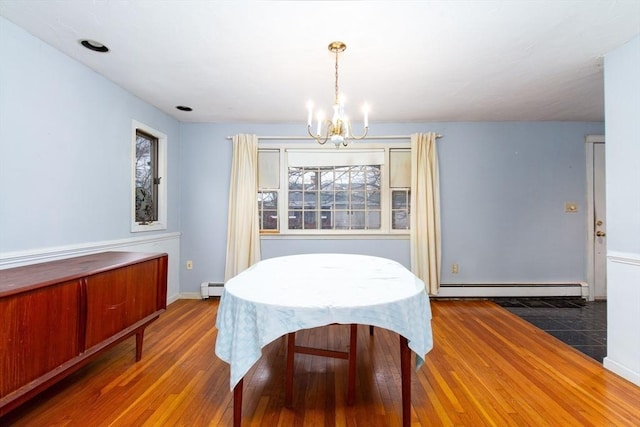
(399, 168)
(268, 168)
(295, 178)
(342, 200)
(295, 220)
(326, 180)
(341, 220)
(400, 209)
(146, 178)
(373, 199)
(400, 220)
(373, 179)
(357, 220)
(326, 199)
(310, 180)
(310, 199)
(358, 178)
(268, 210)
(326, 220)
(269, 220)
(373, 220)
(399, 199)
(295, 199)
(342, 177)
(310, 220)
(357, 200)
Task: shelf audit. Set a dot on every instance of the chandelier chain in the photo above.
(336, 88)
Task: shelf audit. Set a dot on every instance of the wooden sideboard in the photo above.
(55, 316)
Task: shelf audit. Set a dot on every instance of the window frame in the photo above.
(161, 222)
(385, 193)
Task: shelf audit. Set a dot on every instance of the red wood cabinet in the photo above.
(55, 316)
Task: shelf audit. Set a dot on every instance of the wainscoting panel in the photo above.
(623, 315)
(167, 242)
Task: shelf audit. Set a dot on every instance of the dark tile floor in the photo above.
(581, 324)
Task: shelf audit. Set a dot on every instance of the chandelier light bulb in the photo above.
(320, 118)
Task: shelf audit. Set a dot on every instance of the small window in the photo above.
(149, 178)
(268, 188)
(400, 185)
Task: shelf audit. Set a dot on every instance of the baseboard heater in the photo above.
(211, 289)
(515, 290)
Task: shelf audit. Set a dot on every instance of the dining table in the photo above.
(279, 296)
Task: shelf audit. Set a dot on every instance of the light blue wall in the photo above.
(65, 149)
(622, 109)
(503, 189)
(65, 178)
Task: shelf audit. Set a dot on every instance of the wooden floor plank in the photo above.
(488, 367)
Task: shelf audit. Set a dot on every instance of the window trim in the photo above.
(161, 223)
(385, 196)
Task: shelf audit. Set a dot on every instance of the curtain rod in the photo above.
(297, 138)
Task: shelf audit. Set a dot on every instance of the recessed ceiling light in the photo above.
(94, 45)
(184, 108)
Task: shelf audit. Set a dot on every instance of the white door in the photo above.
(600, 222)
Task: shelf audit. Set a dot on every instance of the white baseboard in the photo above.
(495, 290)
(190, 295)
(173, 298)
(622, 370)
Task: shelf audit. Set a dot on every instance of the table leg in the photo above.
(405, 372)
(237, 404)
(353, 345)
(288, 379)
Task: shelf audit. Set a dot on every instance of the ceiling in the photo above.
(411, 61)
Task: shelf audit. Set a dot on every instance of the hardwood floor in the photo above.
(488, 367)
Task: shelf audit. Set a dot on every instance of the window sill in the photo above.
(154, 226)
(335, 236)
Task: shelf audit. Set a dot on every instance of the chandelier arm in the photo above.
(366, 131)
(318, 138)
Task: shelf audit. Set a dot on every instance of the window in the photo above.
(149, 178)
(268, 189)
(345, 191)
(400, 185)
(334, 198)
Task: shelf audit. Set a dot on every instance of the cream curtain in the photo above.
(243, 232)
(425, 211)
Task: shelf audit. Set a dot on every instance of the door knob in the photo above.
(600, 233)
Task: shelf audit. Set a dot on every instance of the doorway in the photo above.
(596, 218)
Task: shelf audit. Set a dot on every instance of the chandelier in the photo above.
(338, 128)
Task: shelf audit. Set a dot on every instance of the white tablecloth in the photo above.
(281, 295)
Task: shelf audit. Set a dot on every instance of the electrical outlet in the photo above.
(189, 265)
(454, 268)
(571, 207)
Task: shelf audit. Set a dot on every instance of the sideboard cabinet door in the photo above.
(119, 298)
(39, 332)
